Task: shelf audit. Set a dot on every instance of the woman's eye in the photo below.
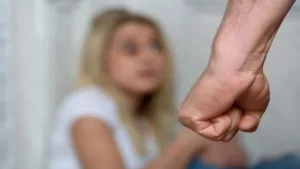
(156, 46)
(129, 47)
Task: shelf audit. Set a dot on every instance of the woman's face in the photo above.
(136, 58)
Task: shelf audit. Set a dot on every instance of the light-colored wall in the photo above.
(32, 79)
(280, 127)
(47, 53)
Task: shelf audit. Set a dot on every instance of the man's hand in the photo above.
(217, 109)
(233, 92)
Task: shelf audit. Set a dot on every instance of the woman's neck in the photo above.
(134, 101)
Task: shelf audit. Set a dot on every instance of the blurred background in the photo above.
(40, 43)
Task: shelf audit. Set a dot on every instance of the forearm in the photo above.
(246, 34)
(176, 156)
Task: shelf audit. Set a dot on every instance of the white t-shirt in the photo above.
(92, 101)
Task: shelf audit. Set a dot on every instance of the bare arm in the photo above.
(96, 148)
(95, 145)
(247, 32)
(233, 93)
(176, 156)
(226, 154)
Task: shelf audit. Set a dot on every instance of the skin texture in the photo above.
(132, 52)
(233, 93)
(225, 154)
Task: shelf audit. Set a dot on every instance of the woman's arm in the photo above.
(226, 154)
(95, 145)
(180, 152)
(97, 149)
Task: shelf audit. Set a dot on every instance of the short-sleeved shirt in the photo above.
(93, 102)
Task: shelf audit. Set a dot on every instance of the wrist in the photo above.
(228, 77)
(236, 56)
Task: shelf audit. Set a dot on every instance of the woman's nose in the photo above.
(147, 57)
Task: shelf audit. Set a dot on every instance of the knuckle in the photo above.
(219, 134)
(186, 121)
(213, 136)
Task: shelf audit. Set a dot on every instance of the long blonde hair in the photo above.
(159, 108)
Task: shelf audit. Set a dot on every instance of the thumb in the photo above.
(250, 121)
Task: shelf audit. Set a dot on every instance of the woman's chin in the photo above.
(146, 89)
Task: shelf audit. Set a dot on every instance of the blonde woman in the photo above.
(121, 114)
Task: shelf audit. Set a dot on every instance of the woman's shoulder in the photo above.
(87, 95)
(90, 101)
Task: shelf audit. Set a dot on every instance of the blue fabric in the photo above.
(197, 164)
(289, 161)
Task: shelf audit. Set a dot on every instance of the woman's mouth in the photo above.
(147, 73)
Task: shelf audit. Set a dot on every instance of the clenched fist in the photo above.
(218, 107)
(233, 92)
